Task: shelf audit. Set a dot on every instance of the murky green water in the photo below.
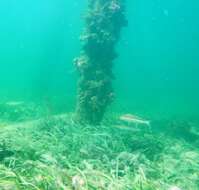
(156, 78)
(157, 70)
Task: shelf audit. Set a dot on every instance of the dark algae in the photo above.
(104, 20)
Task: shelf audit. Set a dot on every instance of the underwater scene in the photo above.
(99, 95)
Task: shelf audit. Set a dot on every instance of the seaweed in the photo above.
(58, 153)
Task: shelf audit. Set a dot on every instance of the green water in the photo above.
(156, 78)
(156, 72)
(158, 67)
(39, 40)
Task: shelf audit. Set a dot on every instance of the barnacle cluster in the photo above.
(104, 21)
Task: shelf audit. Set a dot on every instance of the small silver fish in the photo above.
(174, 188)
(14, 103)
(134, 119)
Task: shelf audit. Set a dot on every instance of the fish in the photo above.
(174, 188)
(14, 103)
(134, 119)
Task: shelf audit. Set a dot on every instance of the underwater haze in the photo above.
(157, 69)
(149, 136)
(158, 66)
(39, 40)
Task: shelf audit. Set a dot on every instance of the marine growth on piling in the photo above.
(103, 23)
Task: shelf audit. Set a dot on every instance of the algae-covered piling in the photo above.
(104, 20)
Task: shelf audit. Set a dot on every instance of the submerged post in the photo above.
(104, 21)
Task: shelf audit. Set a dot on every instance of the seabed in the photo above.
(53, 152)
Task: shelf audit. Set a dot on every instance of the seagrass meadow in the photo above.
(99, 95)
